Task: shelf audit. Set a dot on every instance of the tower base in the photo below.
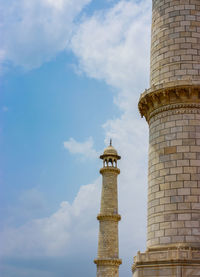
(167, 263)
(108, 267)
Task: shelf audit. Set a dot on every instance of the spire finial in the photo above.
(110, 142)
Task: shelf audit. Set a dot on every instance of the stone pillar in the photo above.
(108, 250)
(172, 109)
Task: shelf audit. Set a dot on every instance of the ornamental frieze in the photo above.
(169, 98)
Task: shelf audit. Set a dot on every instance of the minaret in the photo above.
(171, 107)
(108, 250)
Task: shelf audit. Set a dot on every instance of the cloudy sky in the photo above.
(71, 72)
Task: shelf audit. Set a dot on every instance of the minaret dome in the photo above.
(110, 156)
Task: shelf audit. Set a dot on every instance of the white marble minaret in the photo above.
(108, 250)
(171, 107)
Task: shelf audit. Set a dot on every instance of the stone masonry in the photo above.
(175, 41)
(108, 251)
(172, 109)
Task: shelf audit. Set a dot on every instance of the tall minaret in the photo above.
(171, 107)
(108, 250)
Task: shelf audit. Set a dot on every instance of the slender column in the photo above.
(108, 250)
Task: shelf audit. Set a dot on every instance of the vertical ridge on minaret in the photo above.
(108, 250)
(171, 107)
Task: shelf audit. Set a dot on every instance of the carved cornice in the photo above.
(109, 217)
(111, 169)
(175, 109)
(110, 155)
(178, 256)
(153, 102)
(115, 262)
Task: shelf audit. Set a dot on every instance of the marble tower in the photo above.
(171, 107)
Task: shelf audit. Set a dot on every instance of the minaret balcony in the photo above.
(110, 169)
(109, 217)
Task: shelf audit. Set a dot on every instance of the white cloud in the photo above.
(85, 149)
(34, 31)
(57, 234)
(112, 46)
(37, 237)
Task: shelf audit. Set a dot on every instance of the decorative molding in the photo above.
(173, 109)
(109, 169)
(153, 102)
(169, 112)
(177, 256)
(109, 217)
(107, 155)
(115, 262)
(171, 84)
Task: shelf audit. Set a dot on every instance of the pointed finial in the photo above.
(110, 142)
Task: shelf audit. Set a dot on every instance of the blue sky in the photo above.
(70, 78)
(44, 108)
